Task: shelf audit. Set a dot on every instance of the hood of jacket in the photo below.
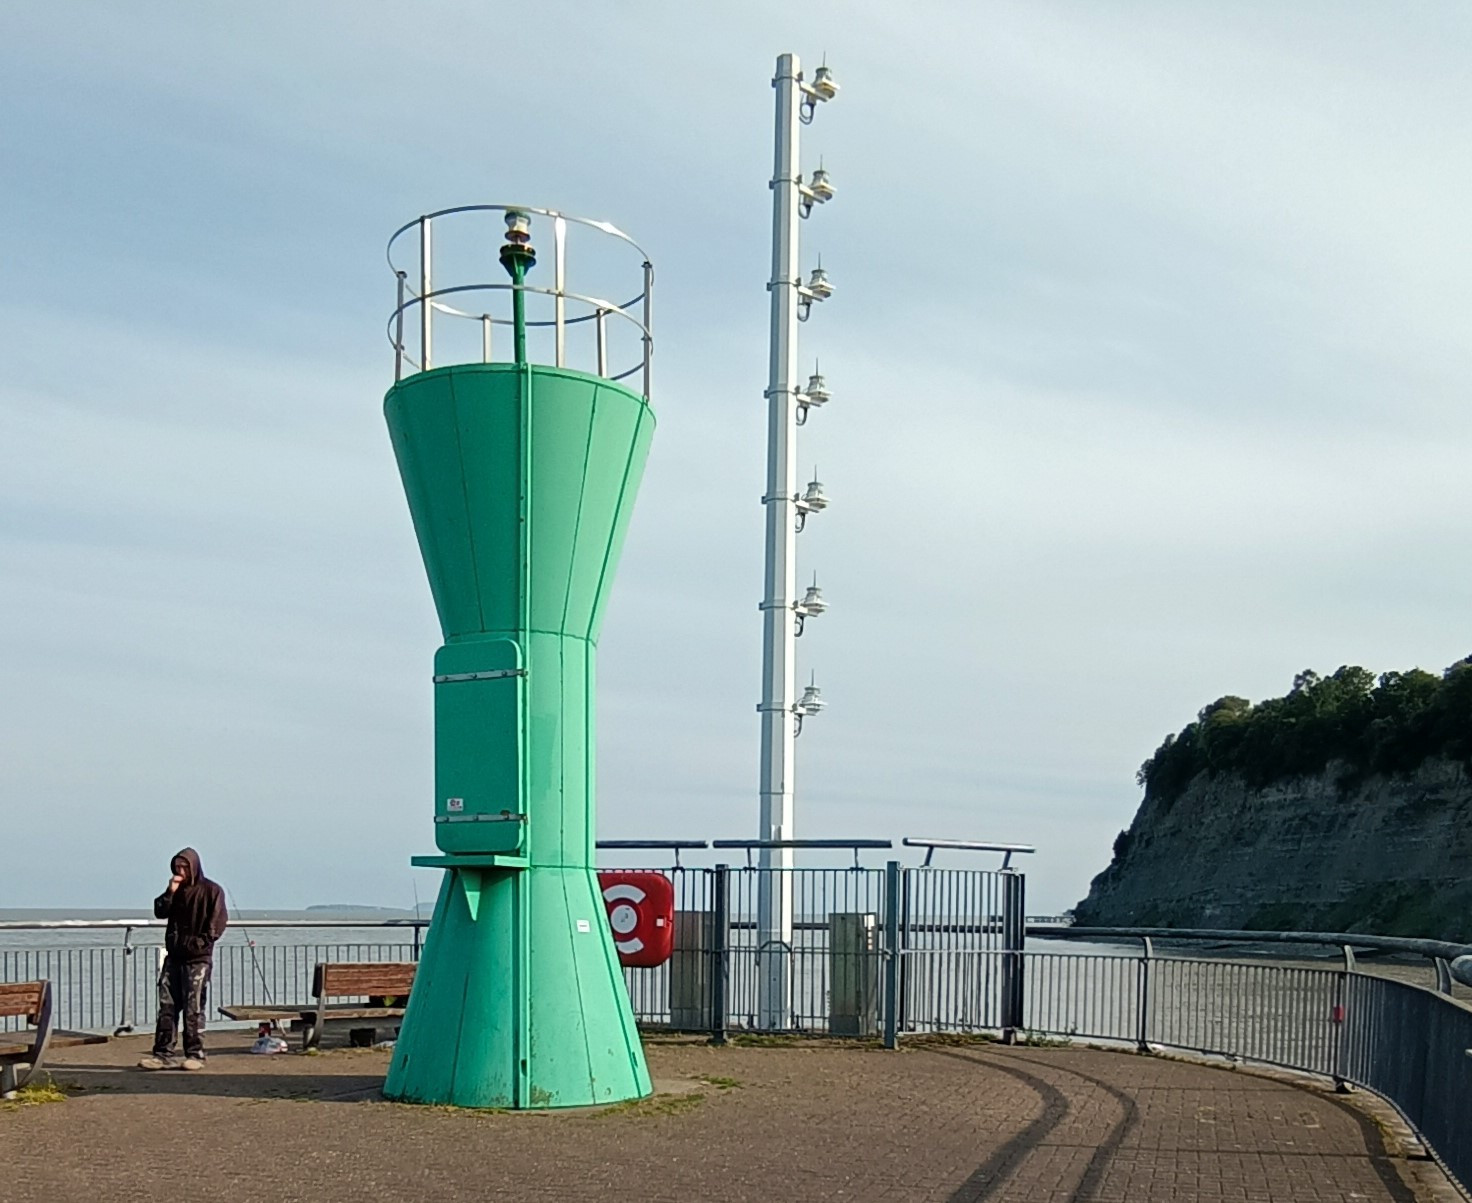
(191, 858)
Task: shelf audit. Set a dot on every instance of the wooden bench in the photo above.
(23, 1053)
(385, 986)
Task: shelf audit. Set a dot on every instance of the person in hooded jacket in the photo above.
(195, 908)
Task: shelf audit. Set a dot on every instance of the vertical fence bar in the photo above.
(648, 323)
(125, 1008)
(426, 307)
(1340, 1018)
(485, 338)
(1142, 1028)
(399, 329)
(720, 906)
(902, 984)
(891, 953)
(600, 323)
(1014, 929)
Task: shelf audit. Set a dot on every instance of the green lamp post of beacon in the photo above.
(520, 479)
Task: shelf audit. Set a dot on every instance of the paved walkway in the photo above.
(962, 1123)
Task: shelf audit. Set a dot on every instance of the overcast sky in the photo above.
(1149, 355)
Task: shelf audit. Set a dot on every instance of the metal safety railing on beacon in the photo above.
(429, 292)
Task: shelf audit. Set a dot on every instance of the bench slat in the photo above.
(363, 980)
(251, 1014)
(21, 998)
(64, 1039)
(350, 1012)
(58, 1040)
(345, 1011)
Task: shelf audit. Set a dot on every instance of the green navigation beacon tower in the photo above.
(520, 477)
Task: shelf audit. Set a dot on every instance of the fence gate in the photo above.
(873, 954)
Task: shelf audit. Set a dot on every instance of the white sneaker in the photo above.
(153, 1061)
(193, 1063)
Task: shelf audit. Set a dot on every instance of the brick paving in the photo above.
(959, 1122)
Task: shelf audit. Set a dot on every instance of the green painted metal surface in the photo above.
(520, 480)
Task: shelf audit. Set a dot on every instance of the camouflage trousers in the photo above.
(183, 987)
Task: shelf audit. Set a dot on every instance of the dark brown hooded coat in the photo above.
(195, 911)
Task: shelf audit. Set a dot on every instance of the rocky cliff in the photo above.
(1387, 853)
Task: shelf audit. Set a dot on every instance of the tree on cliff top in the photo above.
(1389, 725)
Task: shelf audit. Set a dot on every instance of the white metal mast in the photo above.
(782, 611)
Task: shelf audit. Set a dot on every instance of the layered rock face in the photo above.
(1392, 855)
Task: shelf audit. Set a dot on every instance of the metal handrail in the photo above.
(601, 309)
(600, 304)
(1456, 957)
(675, 846)
(1408, 944)
(606, 227)
(423, 297)
(967, 846)
(750, 846)
(802, 843)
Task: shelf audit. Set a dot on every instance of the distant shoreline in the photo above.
(52, 914)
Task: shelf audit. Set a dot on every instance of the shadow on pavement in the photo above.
(229, 1074)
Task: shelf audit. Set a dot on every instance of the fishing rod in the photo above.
(250, 943)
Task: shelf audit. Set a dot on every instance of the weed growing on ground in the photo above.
(451, 1109)
(669, 1104)
(719, 1083)
(949, 1040)
(798, 1040)
(761, 1040)
(35, 1093)
(1038, 1040)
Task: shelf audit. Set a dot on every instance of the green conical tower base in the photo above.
(520, 480)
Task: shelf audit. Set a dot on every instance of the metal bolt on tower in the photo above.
(787, 510)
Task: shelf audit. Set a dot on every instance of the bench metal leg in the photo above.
(14, 1075)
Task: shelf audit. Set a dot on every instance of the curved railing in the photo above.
(426, 288)
(1409, 1043)
(1451, 961)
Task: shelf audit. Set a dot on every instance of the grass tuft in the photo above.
(1038, 1040)
(949, 1040)
(815, 1040)
(671, 1104)
(36, 1093)
(719, 1083)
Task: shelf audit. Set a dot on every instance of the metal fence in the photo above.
(843, 976)
(888, 954)
(1410, 1044)
(838, 959)
(104, 975)
(1413, 1046)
